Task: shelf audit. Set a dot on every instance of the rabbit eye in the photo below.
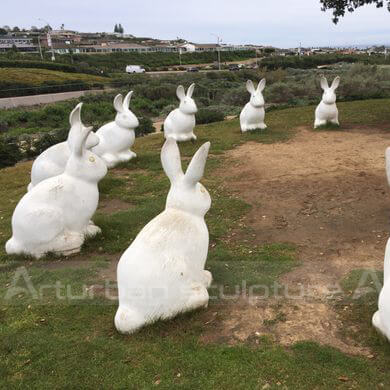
(92, 159)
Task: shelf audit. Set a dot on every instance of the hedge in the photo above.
(62, 67)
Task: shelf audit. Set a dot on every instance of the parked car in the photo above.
(192, 69)
(134, 69)
(233, 68)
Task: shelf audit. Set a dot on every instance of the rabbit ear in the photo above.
(250, 87)
(196, 168)
(75, 115)
(170, 160)
(78, 146)
(335, 83)
(261, 86)
(190, 90)
(324, 83)
(118, 103)
(126, 102)
(180, 92)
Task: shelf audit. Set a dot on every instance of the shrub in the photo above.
(9, 152)
(3, 125)
(145, 127)
(205, 115)
(81, 68)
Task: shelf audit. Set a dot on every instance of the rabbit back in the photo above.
(51, 209)
(50, 163)
(179, 123)
(170, 260)
(115, 143)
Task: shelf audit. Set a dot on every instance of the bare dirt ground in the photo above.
(325, 192)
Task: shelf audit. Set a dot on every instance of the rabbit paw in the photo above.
(92, 230)
(128, 321)
(127, 156)
(198, 298)
(208, 278)
(319, 123)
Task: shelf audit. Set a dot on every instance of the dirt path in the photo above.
(325, 192)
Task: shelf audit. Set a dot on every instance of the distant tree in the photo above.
(34, 28)
(16, 29)
(339, 7)
(47, 28)
(3, 31)
(62, 26)
(116, 28)
(8, 28)
(120, 29)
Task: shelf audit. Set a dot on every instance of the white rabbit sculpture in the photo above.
(162, 273)
(52, 161)
(180, 123)
(381, 319)
(252, 115)
(327, 110)
(54, 216)
(387, 159)
(117, 137)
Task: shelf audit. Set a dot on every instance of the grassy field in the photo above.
(52, 341)
(39, 76)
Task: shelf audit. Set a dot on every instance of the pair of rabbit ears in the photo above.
(181, 94)
(251, 88)
(78, 133)
(325, 85)
(171, 162)
(121, 105)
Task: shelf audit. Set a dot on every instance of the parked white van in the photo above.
(134, 69)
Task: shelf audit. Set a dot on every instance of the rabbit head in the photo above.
(186, 193)
(329, 95)
(257, 99)
(82, 163)
(187, 104)
(124, 117)
(76, 125)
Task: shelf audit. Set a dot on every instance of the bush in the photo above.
(205, 115)
(82, 68)
(145, 127)
(9, 152)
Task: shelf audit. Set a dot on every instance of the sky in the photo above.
(283, 23)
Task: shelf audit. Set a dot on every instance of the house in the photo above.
(196, 47)
(60, 37)
(21, 43)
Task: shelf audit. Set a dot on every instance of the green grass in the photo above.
(37, 77)
(60, 343)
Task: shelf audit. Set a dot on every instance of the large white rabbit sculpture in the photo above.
(327, 110)
(52, 161)
(162, 273)
(117, 137)
(54, 216)
(252, 115)
(381, 319)
(180, 123)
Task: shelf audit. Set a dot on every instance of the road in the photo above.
(24, 101)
